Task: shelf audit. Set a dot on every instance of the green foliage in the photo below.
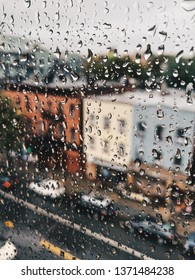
(150, 72)
(12, 125)
(109, 67)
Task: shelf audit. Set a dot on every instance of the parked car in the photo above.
(122, 189)
(95, 204)
(25, 154)
(189, 245)
(48, 188)
(29, 157)
(13, 154)
(8, 250)
(150, 227)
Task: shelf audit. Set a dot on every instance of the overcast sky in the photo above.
(77, 25)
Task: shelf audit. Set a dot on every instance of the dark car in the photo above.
(95, 204)
(150, 227)
(189, 245)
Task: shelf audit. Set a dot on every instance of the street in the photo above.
(36, 219)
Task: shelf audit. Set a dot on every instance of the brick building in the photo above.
(54, 115)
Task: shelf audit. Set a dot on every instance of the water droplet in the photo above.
(109, 115)
(98, 257)
(142, 172)
(178, 154)
(57, 52)
(189, 88)
(136, 6)
(172, 223)
(138, 58)
(90, 55)
(137, 163)
(140, 229)
(139, 72)
(2, 46)
(159, 219)
(139, 47)
(80, 44)
(161, 49)
(169, 140)
(160, 113)
(28, 3)
(125, 64)
(141, 153)
(152, 248)
(114, 251)
(175, 73)
(188, 5)
(152, 31)
(178, 56)
(163, 35)
(107, 25)
(144, 203)
(106, 10)
(148, 52)
(167, 255)
(191, 52)
(74, 76)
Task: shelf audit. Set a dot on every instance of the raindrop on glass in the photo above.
(188, 5)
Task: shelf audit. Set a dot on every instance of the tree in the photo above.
(12, 125)
(110, 67)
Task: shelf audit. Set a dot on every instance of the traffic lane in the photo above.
(107, 228)
(78, 243)
(144, 246)
(111, 228)
(92, 249)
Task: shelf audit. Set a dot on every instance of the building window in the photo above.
(105, 146)
(18, 101)
(157, 155)
(91, 142)
(61, 130)
(141, 128)
(49, 104)
(122, 124)
(72, 110)
(60, 110)
(121, 149)
(177, 161)
(92, 120)
(180, 135)
(27, 103)
(107, 123)
(41, 127)
(178, 157)
(72, 135)
(159, 132)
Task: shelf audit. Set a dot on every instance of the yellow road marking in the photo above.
(57, 251)
(9, 224)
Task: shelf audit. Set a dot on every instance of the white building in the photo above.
(155, 128)
(107, 127)
(163, 129)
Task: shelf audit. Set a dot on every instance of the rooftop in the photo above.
(173, 98)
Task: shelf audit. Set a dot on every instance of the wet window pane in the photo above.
(97, 130)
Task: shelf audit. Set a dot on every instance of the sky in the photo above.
(125, 25)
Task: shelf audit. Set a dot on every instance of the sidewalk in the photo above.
(76, 184)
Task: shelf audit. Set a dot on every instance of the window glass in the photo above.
(97, 105)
